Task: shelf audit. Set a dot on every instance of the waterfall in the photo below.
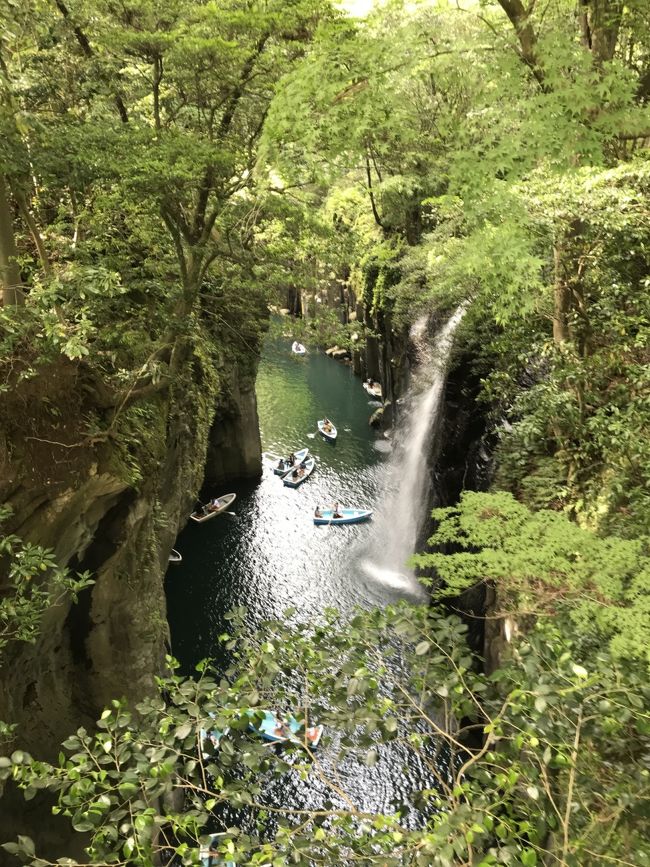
(403, 515)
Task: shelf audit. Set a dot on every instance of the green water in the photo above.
(270, 555)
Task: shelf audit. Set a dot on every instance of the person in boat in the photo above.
(317, 512)
(303, 463)
(281, 464)
(292, 459)
(336, 513)
(282, 730)
(296, 473)
(312, 734)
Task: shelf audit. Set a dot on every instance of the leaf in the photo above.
(83, 825)
(353, 686)
(371, 757)
(183, 731)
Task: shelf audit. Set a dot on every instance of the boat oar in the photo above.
(205, 509)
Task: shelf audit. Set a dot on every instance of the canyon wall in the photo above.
(111, 503)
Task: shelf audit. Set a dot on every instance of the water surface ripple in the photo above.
(270, 556)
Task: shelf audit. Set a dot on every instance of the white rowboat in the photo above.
(347, 516)
(281, 465)
(299, 474)
(213, 509)
(327, 429)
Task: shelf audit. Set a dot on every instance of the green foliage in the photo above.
(34, 582)
(510, 184)
(142, 222)
(555, 762)
(544, 564)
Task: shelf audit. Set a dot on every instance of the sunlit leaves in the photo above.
(542, 562)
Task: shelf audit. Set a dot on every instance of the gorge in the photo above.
(456, 198)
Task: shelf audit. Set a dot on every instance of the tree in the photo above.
(149, 183)
(551, 777)
(9, 269)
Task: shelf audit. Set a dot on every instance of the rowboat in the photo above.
(327, 429)
(285, 468)
(374, 389)
(298, 348)
(175, 556)
(303, 473)
(347, 516)
(280, 730)
(210, 741)
(214, 508)
(271, 727)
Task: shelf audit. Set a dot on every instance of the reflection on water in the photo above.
(271, 556)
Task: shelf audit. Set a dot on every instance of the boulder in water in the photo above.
(377, 418)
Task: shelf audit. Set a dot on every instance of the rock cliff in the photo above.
(111, 503)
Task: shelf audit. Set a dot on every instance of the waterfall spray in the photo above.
(402, 517)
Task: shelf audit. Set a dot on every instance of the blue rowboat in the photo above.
(327, 429)
(299, 474)
(279, 730)
(347, 516)
(283, 466)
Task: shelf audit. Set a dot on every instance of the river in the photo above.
(269, 555)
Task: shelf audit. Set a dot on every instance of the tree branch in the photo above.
(519, 17)
(28, 217)
(375, 212)
(88, 52)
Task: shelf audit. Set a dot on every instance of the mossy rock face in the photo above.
(112, 504)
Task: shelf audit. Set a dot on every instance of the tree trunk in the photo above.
(10, 282)
(562, 297)
(28, 217)
(600, 22)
